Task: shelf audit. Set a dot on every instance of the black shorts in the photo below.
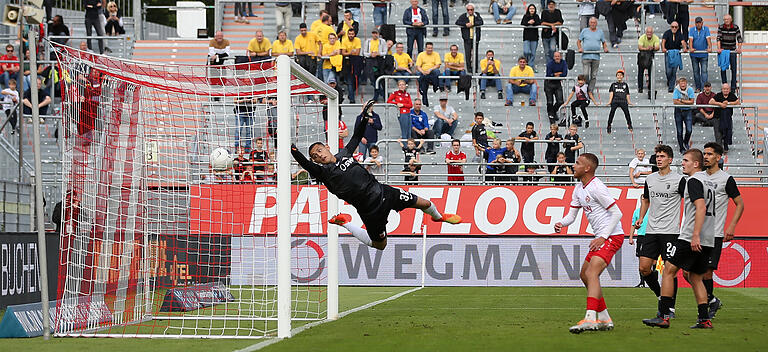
(685, 258)
(392, 198)
(655, 245)
(714, 258)
(639, 244)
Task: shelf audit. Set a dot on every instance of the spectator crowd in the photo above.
(333, 47)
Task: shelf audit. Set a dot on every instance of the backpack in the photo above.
(570, 58)
(563, 44)
(464, 85)
(645, 58)
(388, 65)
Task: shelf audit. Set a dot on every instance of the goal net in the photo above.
(183, 213)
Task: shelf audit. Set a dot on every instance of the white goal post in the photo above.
(285, 68)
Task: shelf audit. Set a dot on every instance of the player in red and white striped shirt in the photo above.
(604, 215)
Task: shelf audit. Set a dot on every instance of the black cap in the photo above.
(707, 84)
(303, 25)
(699, 19)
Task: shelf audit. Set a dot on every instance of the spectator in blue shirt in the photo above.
(553, 90)
(420, 126)
(591, 40)
(494, 158)
(683, 95)
(700, 47)
(371, 135)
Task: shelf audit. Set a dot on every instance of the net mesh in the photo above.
(158, 238)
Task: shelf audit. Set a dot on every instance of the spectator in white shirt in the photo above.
(374, 163)
(218, 49)
(446, 118)
(638, 172)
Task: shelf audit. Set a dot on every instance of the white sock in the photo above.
(359, 233)
(432, 211)
(603, 316)
(591, 315)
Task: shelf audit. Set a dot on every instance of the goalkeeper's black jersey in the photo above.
(346, 178)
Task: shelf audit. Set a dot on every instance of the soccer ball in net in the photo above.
(220, 160)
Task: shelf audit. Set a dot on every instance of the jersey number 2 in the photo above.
(710, 203)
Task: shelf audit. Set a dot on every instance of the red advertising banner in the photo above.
(743, 263)
(486, 210)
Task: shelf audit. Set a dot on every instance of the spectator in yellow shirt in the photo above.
(323, 29)
(454, 66)
(521, 85)
(318, 21)
(332, 64)
(306, 49)
(350, 49)
(258, 47)
(490, 67)
(428, 65)
(403, 62)
(282, 46)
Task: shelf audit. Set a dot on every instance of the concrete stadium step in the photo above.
(172, 51)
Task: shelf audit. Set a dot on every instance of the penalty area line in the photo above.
(295, 331)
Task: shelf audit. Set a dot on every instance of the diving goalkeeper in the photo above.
(350, 181)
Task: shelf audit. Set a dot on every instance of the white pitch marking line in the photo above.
(299, 329)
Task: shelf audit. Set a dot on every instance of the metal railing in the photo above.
(125, 6)
(16, 203)
(122, 49)
(476, 80)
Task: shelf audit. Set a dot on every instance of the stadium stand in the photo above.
(653, 120)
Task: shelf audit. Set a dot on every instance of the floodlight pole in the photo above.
(39, 211)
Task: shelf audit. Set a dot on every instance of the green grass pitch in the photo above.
(485, 318)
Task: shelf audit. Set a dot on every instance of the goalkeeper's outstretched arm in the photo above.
(311, 167)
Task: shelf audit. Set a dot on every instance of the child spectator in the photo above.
(552, 148)
(637, 172)
(247, 175)
(479, 135)
(10, 99)
(259, 156)
(411, 157)
(420, 126)
(530, 171)
(619, 98)
(511, 160)
(270, 177)
(572, 149)
(583, 97)
(561, 169)
(240, 163)
(455, 158)
(495, 161)
(373, 163)
(527, 136)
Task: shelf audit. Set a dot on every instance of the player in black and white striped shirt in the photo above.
(725, 188)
